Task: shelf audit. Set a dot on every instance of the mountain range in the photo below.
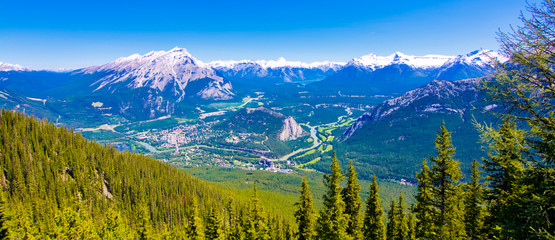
(398, 73)
(162, 83)
(174, 70)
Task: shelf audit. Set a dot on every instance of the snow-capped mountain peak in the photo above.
(481, 58)
(374, 62)
(173, 69)
(11, 67)
(274, 64)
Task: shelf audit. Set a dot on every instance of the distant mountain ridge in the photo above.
(11, 67)
(398, 73)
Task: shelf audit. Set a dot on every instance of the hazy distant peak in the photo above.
(274, 64)
(374, 61)
(11, 67)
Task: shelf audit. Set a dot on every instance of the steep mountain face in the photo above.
(11, 67)
(398, 73)
(175, 73)
(475, 64)
(400, 131)
(256, 73)
(291, 130)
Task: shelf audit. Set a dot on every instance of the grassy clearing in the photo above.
(328, 148)
(307, 153)
(311, 162)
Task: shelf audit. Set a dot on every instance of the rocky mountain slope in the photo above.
(399, 133)
(175, 72)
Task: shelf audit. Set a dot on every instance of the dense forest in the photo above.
(55, 184)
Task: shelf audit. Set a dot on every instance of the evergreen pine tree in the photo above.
(4, 216)
(506, 169)
(424, 209)
(288, 231)
(353, 204)
(143, 224)
(403, 220)
(258, 224)
(393, 224)
(114, 227)
(213, 225)
(332, 223)
(374, 227)
(196, 228)
(412, 226)
(447, 192)
(305, 213)
(473, 201)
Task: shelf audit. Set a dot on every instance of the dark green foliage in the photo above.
(397, 226)
(196, 227)
(374, 227)
(257, 227)
(392, 229)
(403, 219)
(353, 204)
(332, 222)
(213, 225)
(506, 169)
(524, 87)
(305, 213)
(474, 204)
(446, 189)
(4, 217)
(423, 209)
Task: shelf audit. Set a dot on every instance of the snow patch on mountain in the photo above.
(4, 67)
(372, 61)
(274, 64)
(481, 58)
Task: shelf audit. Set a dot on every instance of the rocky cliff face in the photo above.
(438, 97)
(291, 130)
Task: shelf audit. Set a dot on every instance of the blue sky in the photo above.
(72, 34)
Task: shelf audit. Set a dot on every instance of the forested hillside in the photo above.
(57, 184)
